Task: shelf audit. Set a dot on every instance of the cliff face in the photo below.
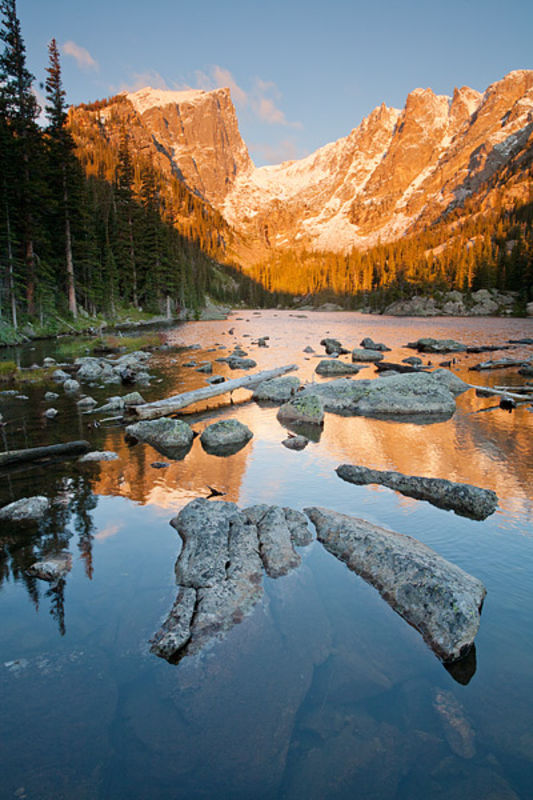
(397, 170)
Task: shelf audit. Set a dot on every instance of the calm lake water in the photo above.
(323, 691)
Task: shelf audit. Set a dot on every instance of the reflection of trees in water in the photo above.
(21, 545)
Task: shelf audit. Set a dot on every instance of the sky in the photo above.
(302, 74)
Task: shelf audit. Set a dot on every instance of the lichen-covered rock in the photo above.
(26, 509)
(225, 437)
(275, 542)
(363, 354)
(341, 394)
(304, 408)
(170, 437)
(53, 568)
(451, 381)
(435, 596)
(428, 345)
(464, 499)
(412, 395)
(220, 569)
(332, 366)
(277, 390)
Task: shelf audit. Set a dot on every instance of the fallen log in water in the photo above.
(487, 391)
(36, 453)
(163, 408)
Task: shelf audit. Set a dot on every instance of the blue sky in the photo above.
(302, 73)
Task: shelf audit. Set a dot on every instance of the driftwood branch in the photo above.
(36, 453)
(490, 390)
(163, 408)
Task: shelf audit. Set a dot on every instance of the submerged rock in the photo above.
(331, 366)
(464, 499)
(297, 442)
(435, 596)
(277, 390)
(53, 568)
(225, 437)
(457, 729)
(170, 437)
(220, 569)
(26, 509)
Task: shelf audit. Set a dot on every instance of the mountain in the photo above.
(399, 171)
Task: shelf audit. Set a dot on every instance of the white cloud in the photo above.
(285, 150)
(82, 57)
(140, 80)
(261, 99)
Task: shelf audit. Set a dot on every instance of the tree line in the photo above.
(92, 232)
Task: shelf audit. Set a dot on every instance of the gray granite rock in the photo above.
(51, 413)
(428, 345)
(53, 568)
(170, 437)
(333, 366)
(60, 376)
(297, 442)
(303, 408)
(49, 396)
(25, 509)
(363, 354)
(370, 344)
(333, 346)
(71, 386)
(86, 402)
(225, 437)
(220, 567)
(464, 499)
(98, 455)
(277, 390)
(435, 596)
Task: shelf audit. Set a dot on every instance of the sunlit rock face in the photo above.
(397, 169)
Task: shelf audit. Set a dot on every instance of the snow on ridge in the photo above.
(147, 98)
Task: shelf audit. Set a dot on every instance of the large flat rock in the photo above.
(435, 596)
(220, 568)
(463, 498)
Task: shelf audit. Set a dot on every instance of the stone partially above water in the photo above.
(435, 596)
(429, 345)
(464, 499)
(364, 354)
(333, 366)
(53, 568)
(220, 569)
(277, 390)
(98, 455)
(27, 509)
(415, 396)
(306, 407)
(225, 437)
(170, 437)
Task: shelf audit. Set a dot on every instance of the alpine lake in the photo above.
(322, 691)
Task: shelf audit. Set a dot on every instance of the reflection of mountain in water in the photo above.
(133, 476)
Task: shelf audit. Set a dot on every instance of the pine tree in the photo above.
(20, 110)
(62, 160)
